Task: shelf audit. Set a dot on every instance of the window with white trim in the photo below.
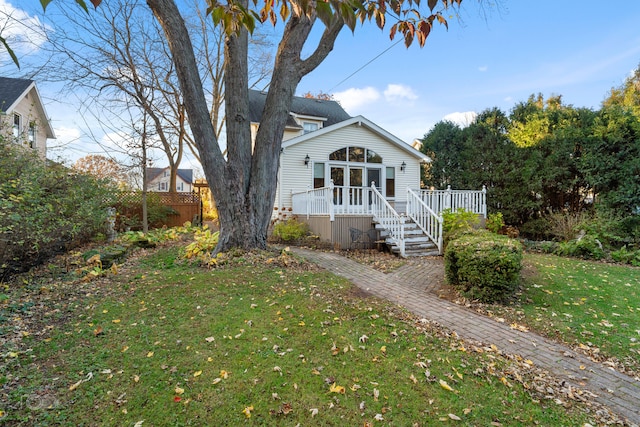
(32, 135)
(17, 121)
(309, 127)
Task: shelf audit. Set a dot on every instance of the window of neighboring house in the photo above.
(180, 186)
(16, 125)
(318, 175)
(391, 182)
(165, 174)
(309, 127)
(32, 135)
(162, 186)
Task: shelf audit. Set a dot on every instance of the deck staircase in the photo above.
(418, 232)
(416, 241)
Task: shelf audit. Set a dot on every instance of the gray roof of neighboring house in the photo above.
(185, 174)
(331, 110)
(11, 90)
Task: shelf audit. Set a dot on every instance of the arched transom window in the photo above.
(356, 155)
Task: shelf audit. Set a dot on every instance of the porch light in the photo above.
(403, 166)
(307, 159)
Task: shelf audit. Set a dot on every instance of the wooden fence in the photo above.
(163, 209)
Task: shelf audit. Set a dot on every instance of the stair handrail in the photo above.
(384, 214)
(426, 218)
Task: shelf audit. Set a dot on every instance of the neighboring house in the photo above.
(23, 116)
(353, 182)
(158, 180)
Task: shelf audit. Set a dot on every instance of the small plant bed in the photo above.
(263, 340)
(592, 306)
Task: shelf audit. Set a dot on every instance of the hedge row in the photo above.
(44, 209)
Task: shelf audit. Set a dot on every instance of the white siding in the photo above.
(295, 176)
(28, 113)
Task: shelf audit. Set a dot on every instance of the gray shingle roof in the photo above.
(11, 89)
(185, 174)
(330, 110)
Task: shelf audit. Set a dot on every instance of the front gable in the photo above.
(24, 117)
(350, 153)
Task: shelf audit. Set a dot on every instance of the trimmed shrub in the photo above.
(290, 230)
(484, 266)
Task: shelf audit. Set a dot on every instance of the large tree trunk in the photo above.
(243, 186)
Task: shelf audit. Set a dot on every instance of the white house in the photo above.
(158, 180)
(354, 183)
(23, 118)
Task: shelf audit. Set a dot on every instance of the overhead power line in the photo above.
(360, 69)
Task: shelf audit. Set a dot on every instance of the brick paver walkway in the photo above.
(411, 286)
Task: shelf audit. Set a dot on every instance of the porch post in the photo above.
(330, 197)
(447, 198)
(484, 201)
(308, 197)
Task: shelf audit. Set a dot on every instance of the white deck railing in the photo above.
(439, 200)
(426, 218)
(386, 216)
(332, 200)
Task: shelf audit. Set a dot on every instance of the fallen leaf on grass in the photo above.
(197, 373)
(337, 389)
(455, 417)
(314, 412)
(179, 390)
(445, 386)
(247, 411)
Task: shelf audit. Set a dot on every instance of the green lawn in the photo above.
(267, 340)
(591, 305)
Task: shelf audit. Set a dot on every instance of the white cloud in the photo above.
(24, 32)
(461, 119)
(483, 68)
(397, 93)
(353, 99)
(66, 134)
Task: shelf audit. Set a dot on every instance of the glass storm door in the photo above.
(337, 176)
(355, 186)
(373, 175)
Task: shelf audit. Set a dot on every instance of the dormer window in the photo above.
(309, 127)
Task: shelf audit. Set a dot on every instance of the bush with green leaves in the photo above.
(44, 208)
(290, 230)
(484, 266)
(588, 247)
(495, 222)
(627, 256)
(455, 224)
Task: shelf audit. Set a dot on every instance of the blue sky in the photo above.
(491, 57)
(579, 50)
